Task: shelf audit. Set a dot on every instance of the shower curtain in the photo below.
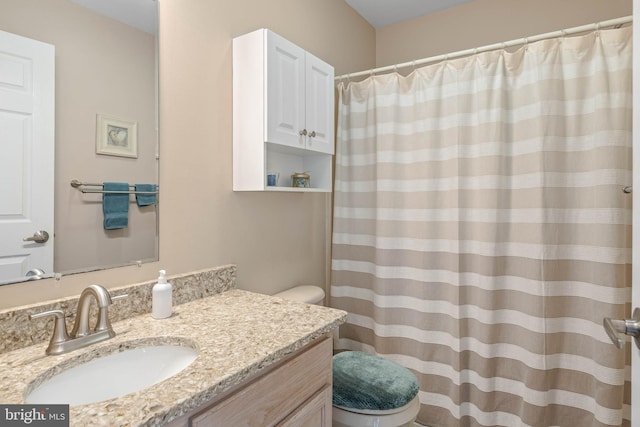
(481, 234)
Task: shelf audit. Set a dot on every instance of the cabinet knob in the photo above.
(312, 134)
(303, 132)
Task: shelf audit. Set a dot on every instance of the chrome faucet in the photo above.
(103, 300)
(81, 334)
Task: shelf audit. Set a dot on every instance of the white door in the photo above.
(320, 91)
(285, 92)
(26, 155)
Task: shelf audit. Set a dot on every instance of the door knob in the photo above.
(35, 273)
(312, 134)
(631, 327)
(303, 132)
(38, 237)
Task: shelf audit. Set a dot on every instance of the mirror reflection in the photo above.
(78, 101)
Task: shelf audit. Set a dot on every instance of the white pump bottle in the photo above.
(161, 298)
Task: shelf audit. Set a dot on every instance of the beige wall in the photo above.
(276, 240)
(484, 22)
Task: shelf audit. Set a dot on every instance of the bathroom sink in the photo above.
(113, 375)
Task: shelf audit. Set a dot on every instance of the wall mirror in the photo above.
(105, 129)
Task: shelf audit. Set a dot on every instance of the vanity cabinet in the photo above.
(295, 392)
(283, 114)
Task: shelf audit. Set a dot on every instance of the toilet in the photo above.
(368, 390)
(304, 293)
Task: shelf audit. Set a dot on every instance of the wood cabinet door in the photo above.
(316, 412)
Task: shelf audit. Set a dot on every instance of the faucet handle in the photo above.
(59, 334)
(117, 297)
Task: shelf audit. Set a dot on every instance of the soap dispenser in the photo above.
(161, 298)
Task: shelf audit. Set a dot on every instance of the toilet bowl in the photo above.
(357, 379)
(399, 417)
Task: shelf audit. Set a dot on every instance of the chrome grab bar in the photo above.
(630, 327)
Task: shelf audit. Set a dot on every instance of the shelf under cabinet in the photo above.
(286, 161)
(297, 189)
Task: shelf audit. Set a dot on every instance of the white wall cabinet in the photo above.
(283, 114)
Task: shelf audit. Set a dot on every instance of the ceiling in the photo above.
(381, 13)
(140, 14)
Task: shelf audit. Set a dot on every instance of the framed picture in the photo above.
(115, 137)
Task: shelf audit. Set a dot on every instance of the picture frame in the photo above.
(116, 137)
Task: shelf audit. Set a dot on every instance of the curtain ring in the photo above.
(413, 63)
(526, 44)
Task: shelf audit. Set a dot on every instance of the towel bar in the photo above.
(78, 184)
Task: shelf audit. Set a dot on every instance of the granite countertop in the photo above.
(237, 333)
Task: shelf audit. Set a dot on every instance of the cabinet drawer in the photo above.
(272, 397)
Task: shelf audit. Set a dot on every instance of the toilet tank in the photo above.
(306, 293)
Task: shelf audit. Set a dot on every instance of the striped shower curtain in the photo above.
(481, 234)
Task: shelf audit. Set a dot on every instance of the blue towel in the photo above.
(145, 199)
(115, 206)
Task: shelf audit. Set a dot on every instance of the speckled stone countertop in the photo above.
(237, 334)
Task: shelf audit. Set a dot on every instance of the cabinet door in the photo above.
(316, 412)
(285, 92)
(319, 105)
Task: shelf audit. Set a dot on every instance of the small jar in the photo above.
(300, 180)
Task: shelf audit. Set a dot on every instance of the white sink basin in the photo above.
(114, 375)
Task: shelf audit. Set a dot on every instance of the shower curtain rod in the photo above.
(515, 42)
